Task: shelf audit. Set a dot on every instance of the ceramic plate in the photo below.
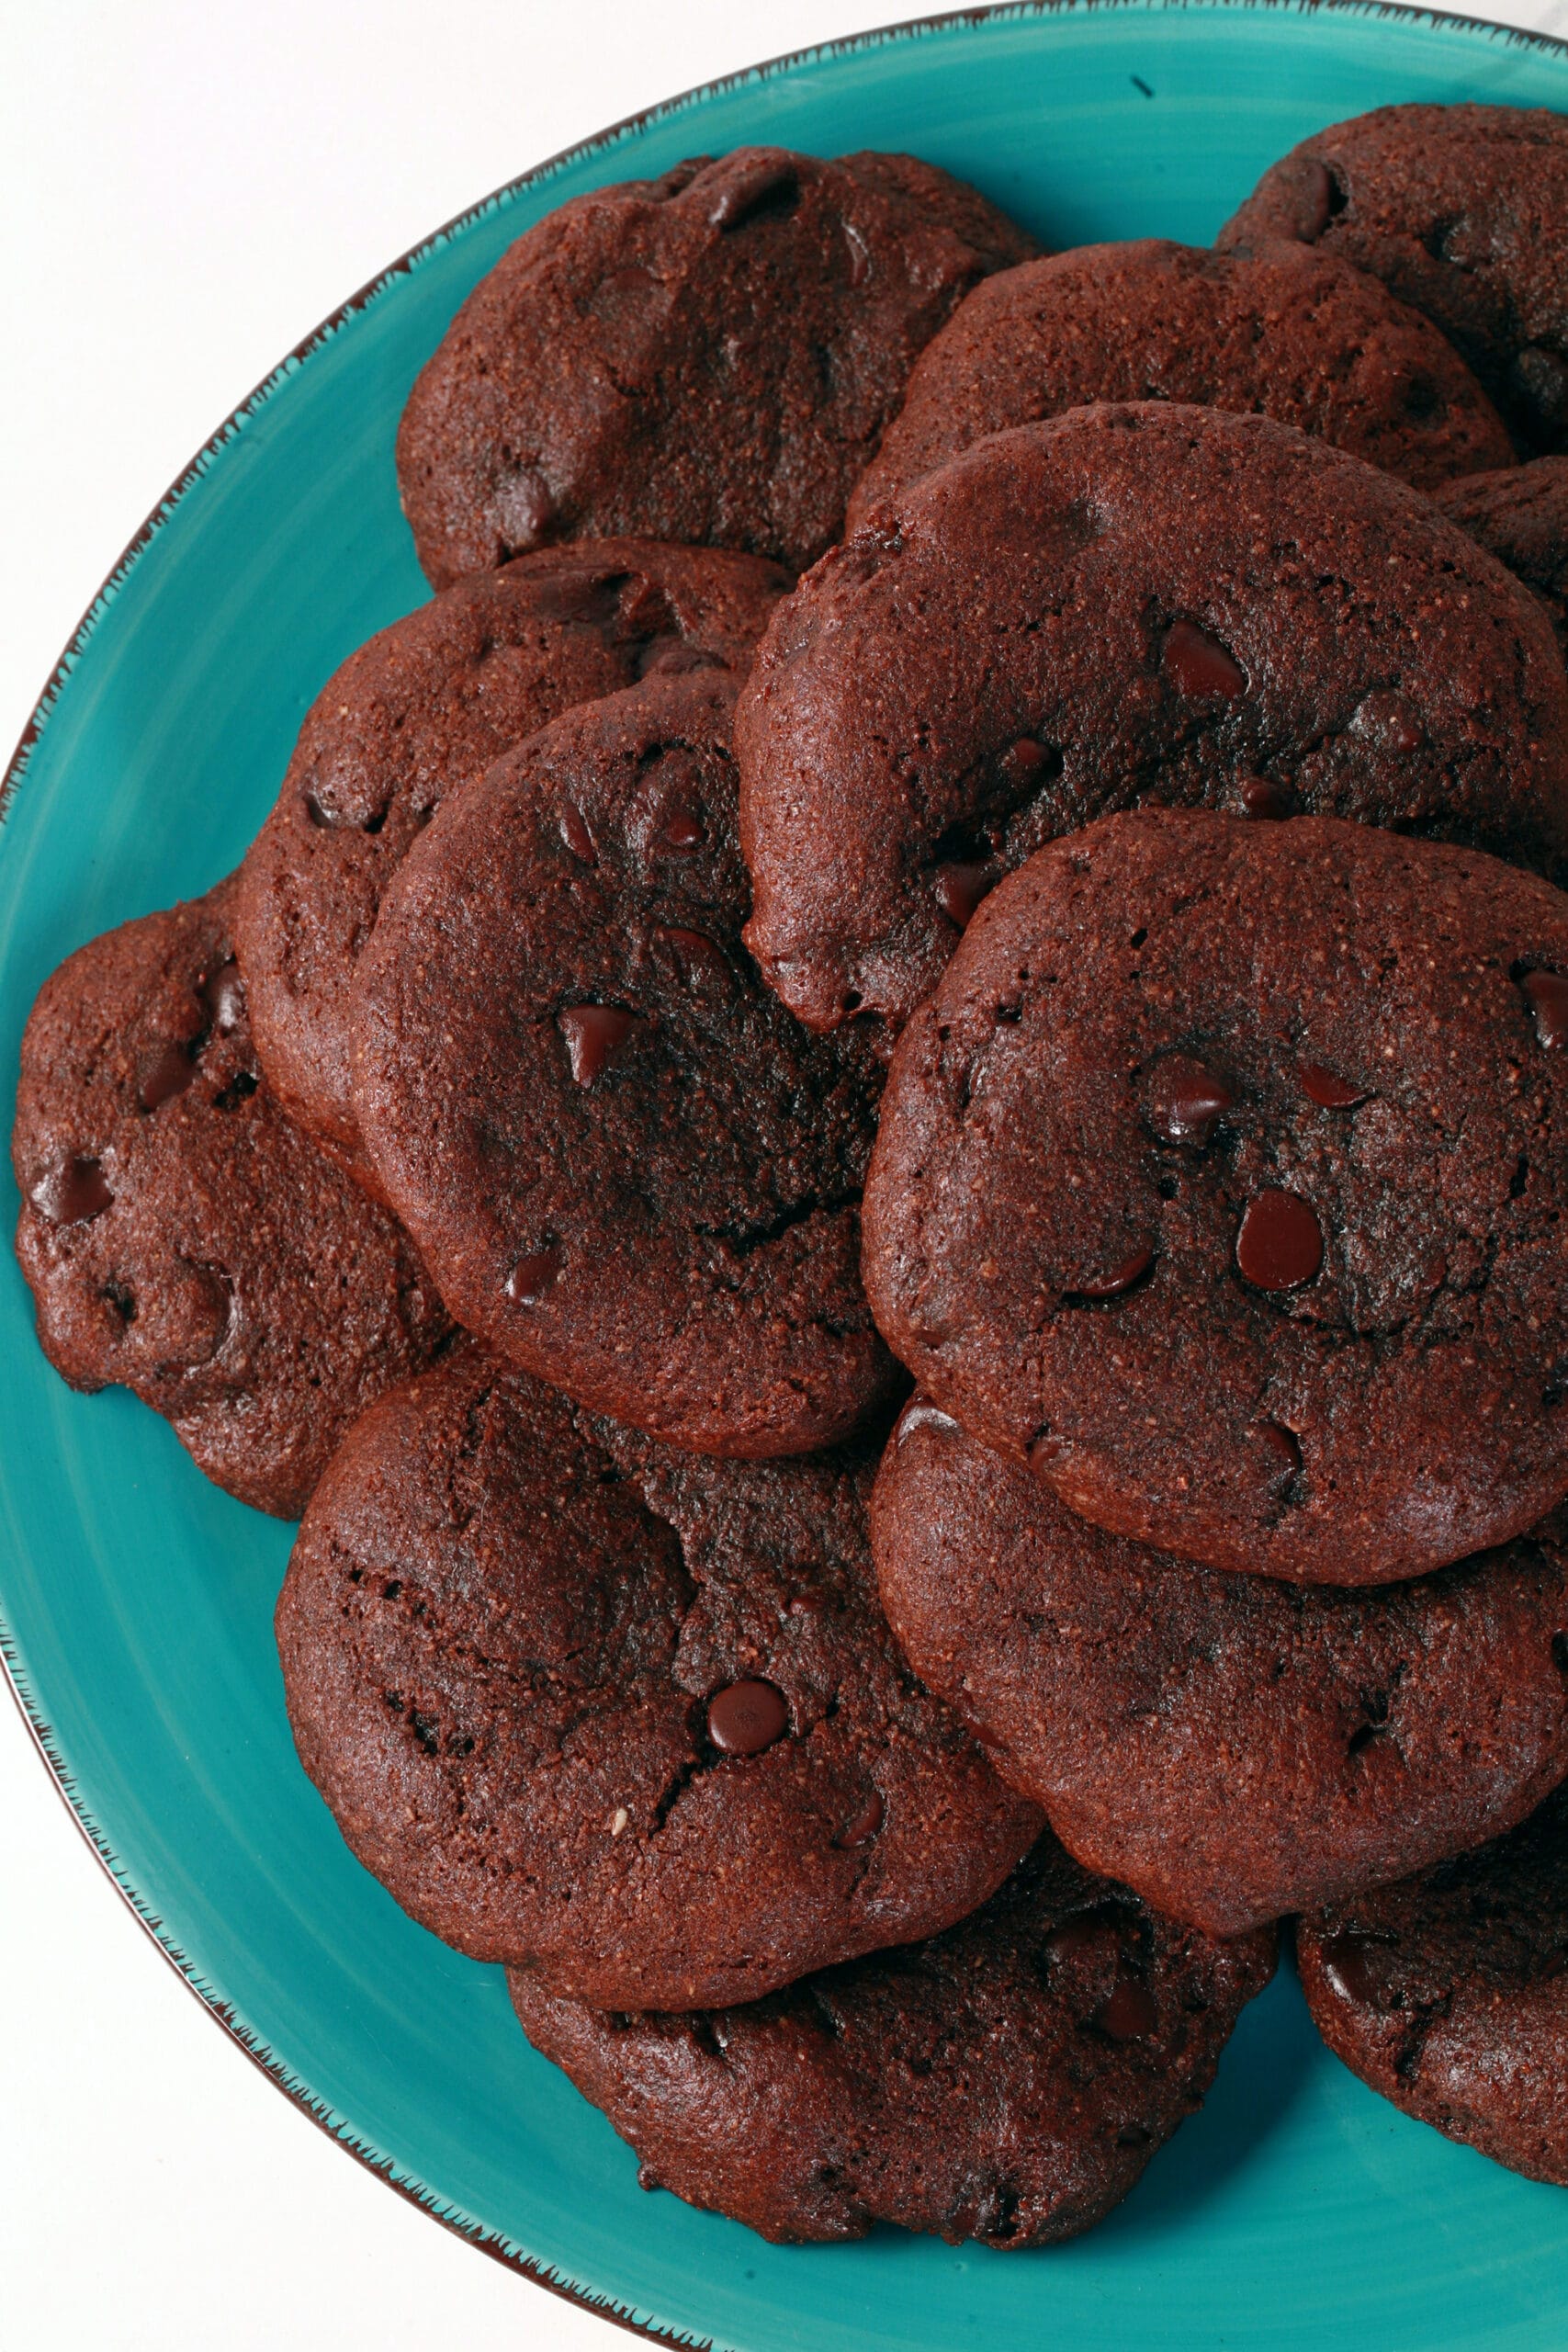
(136, 1600)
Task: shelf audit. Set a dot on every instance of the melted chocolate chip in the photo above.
(1280, 1244)
(769, 182)
(921, 1415)
(1315, 192)
(859, 254)
(1091, 1931)
(1328, 1089)
(1285, 1447)
(531, 1277)
(72, 1193)
(169, 1073)
(1198, 664)
(574, 832)
(960, 888)
(1264, 800)
(1130, 2014)
(864, 1823)
(746, 1717)
(223, 994)
(525, 510)
(1027, 759)
(1185, 1101)
(1345, 1965)
(1121, 1278)
(594, 1033)
(1546, 993)
(682, 830)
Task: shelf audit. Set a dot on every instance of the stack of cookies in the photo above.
(879, 1140)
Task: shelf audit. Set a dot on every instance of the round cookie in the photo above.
(1221, 1180)
(1125, 603)
(421, 710)
(1231, 1747)
(1277, 328)
(632, 1172)
(1007, 2081)
(630, 1716)
(1448, 1994)
(1522, 516)
(181, 1236)
(1463, 212)
(709, 358)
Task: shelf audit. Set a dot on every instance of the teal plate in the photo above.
(136, 1600)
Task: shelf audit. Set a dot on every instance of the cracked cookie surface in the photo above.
(629, 1716)
(182, 1236)
(1448, 1994)
(415, 715)
(1144, 602)
(1520, 516)
(633, 1171)
(1277, 328)
(708, 357)
(1007, 2081)
(1223, 1180)
(1463, 212)
(1233, 1748)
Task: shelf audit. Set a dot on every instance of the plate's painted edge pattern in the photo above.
(500, 2248)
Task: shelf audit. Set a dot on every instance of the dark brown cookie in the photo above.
(419, 712)
(1276, 328)
(1124, 603)
(631, 1716)
(1007, 2081)
(1232, 1748)
(1463, 212)
(1448, 1994)
(181, 1236)
(633, 1173)
(1522, 515)
(1223, 1180)
(708, 357)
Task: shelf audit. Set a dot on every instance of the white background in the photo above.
(184, 190)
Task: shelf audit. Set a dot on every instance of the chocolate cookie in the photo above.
(1007, 2081)
(1522, 515)
(1124, 603)
(416, 713)
(708, 357)
(1231, 1747)
(1463, 212)
(1448, 1994)
(1221, 1180)
(181, 1236)
(631, 1716)
(631, 1171)
(1276, 328)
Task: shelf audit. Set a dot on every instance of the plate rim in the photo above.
(385, 2167)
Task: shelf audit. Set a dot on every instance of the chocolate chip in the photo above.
(1389, 723)
(1198, 664)
(525, 510)
(1285, 1447)
(574, 832)
(1120, 1278)
(746, 1717)
(1546, 993)
(1026, 761)
(1312, 196)
(862, 1824)
(1345, 1965)
(682, 830)
(1263, 800)
(223, 994)
(960, 888)
(1279, 1243)
(169, 1073)
(1185, 1101)
(1130, 2014)
(592, 1034)
(1090, 1932)
(72, 1192)
(767, 183)
(532, 1276)
(1328, 1089)
(921, 1415)
(859, 254)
